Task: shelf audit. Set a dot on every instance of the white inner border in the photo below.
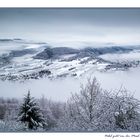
(69, 3)
(65, 4)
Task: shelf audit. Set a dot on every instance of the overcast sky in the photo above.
(120, 26)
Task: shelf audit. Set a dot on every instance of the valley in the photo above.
(38, 60)
(56, 72)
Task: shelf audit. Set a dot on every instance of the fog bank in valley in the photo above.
(61, 89)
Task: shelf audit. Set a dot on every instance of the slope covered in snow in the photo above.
(23, 60)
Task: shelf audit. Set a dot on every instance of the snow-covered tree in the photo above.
(95, 110)
(30, 113)
(2, 111)
(126, 111)
(47, 113)
(82, 109)
(52, 111)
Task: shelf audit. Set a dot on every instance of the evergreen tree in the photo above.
(30, 113)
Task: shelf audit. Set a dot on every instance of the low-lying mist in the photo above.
(61, 89)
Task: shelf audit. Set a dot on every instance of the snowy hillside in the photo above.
(22, 60)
